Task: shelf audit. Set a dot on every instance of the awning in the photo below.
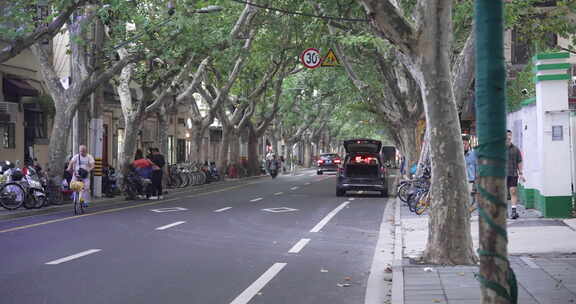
(18, 87)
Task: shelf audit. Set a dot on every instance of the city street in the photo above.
(287, 240)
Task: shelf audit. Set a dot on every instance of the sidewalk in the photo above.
(542, 254)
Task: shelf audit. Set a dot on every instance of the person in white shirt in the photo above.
(85, 161)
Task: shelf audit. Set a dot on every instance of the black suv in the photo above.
(363, 168)
(328, 162)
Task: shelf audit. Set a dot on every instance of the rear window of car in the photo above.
(329, 156)
(363, 159)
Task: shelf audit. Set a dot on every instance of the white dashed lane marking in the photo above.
(328, 217)
(170, 225)
(255, 288)
(299, 246)
(223, 209)
(256, 199)
(73, 257)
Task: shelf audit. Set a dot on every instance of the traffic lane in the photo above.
(155, 270)
(71, 237)
(335, 264)
(96, 207)
(131, 221)
(112, 223)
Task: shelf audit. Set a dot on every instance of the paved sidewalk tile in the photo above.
(541, 280)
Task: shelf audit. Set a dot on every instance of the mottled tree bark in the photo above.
(425, 50)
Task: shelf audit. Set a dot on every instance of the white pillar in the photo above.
(553, 136)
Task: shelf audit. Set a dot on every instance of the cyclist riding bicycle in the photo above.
(80, 166)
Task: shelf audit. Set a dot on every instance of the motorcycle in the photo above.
(273, 173)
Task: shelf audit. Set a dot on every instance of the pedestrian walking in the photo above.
(80, 167)
(514, 172)
(471, 168)
(157, 172)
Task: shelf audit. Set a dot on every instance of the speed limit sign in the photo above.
(310, 58)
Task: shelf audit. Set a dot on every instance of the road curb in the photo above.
(377, 289)
(397, 268)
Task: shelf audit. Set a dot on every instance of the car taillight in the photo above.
(320, 161)
(336, 161)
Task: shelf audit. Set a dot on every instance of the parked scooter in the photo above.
(109, 185)
(135, 186)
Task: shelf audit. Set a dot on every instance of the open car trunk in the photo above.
(361, 171)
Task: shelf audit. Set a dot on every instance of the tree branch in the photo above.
(89, 85)
(389, 24)
(50, 77)
(41, 33)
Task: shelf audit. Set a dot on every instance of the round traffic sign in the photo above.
(310, 58)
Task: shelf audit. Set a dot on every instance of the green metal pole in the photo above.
(498, 284)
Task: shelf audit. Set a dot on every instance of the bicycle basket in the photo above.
(76, 186)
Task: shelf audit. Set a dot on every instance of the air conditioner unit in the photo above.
(9, 108)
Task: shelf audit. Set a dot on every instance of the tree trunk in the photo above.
(253, 156)
(449, 237)
(307, 154)
(163, 131)
(128, 150)
(407, 142)
(58, 145)
(235, 147)
(223, 153)
(196, 137)
(491, 129)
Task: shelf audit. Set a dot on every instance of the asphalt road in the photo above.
(287, 240)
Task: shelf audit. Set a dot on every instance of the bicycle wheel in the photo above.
(402, 192)
(423, 203)
(39, 198)
(12, 196)
(78, 208)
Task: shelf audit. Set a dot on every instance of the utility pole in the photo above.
(96, 100)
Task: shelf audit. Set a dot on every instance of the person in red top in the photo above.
(142, 165)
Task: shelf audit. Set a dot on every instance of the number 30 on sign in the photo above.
(310, 58)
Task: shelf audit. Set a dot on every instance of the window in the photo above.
(7, 135)
(120, 141)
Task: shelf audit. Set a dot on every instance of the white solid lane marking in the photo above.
(328, 217)
(278, 193)
(253, 289)
(170, 225)
(299, 246)
(256, 199)
(351, 199)
(529, 262)
(223, 209)
(294, 188)
(73, 257)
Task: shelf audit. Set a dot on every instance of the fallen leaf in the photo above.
(436, 301)
(348, 279)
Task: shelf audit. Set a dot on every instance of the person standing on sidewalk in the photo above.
(157, 173)
(471, 167)
(514, 171)
(80, 166)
